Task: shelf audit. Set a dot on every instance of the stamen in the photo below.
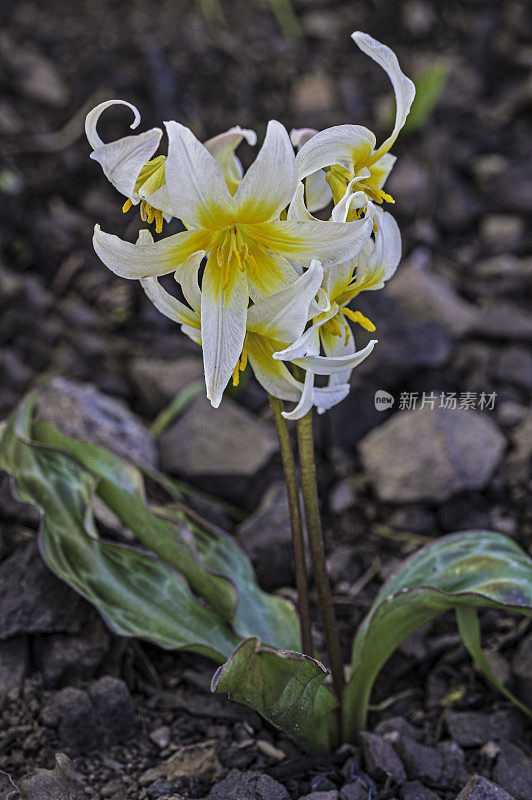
(356, 316)
(347, 335)
(243, 360)
(158, 221)
(127, 205)
(143, 214)
(236, 375)
(227, 271)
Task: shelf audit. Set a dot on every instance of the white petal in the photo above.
(168, 305)
(282, 316)
(223, 147)
(91, 120)
(323, 365)
(159, 199)
(187, 277)
(306, 401)
(223, 326)
(329, 242)
(297, 210)
(350, 200)
(307, 344)
(300, 136)
(338, 278)
(319, 304)
(317, 191)
(196, 185)
(337, 347)
(272, 375)
(136, 261)
(386, 254)
(269, 184)
(328, 396)
(341, 143)
(403, 87)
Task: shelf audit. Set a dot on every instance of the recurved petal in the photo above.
(306, 400)
(338, 347)
(123, 160)
(273, 376)
(136, 261)
(341, 143)
(196, 185)
(328, 396)
(329, 242)
(381, 169)
(223, 326)
(403, 87)
(269, 184)
(307, 344)
(297, 210)
(223, 147)
(168, 305)
(300, 136)
(386, 254)
(282, 316)
(323, 365)
(91, 120)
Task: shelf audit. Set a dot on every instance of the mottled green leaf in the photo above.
(472, 570)
(286, 688)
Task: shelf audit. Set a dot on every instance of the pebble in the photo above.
(473, 728)
(380, 758)
(480, 788)
(14, 664)
(431, 455)
(246, 785)
(115, 709)
(414, 790)
(357, 790)
(157, 381)
(420, 761)
(79, 410)
(513, 771)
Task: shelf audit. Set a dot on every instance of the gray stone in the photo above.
(266, 538)
(157, 381)
(414, 790)
(514, 365)
(513, 771)
(423, 294)
(480, 788)
(354, 791)
(431, 454)
(503, 321)
(473, 728)
(420, 761)
(63, 658)
(60, 783)
(399, 726)
(114, 708)
(221, 449)
(502, 232)
(77, 723)
(33, 600)
(520, 459)
(81, 411)
(14, 663)
(381, 759)
(332, 794)
(248, 786)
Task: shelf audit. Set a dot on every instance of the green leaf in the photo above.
(430, 85)
(466, 570)
(286, 688)
(62, 475)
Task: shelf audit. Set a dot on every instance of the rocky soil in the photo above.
(130, 721)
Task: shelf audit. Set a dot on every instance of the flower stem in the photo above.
(317, 551)
(298, 544)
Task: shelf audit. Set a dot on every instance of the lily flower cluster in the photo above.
(264, 281)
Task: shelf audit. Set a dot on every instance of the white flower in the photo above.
(129, 166)
(251, 253)
(347, 152)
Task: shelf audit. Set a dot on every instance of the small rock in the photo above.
(189, 761)
(33, 600)
(78, 727)
(513, 771)
(400, 726)
(161, 736)
(157, 381)
(503, 321)
(63, 658)
(330, 795)
(473, 728)
(522, 668)
(79, 410)
(480, 788)
(431, 454)
(414, 790)
(518, 463)
(14, 663)
(354, 791)
(453, 772)
(423, 294)
(502, 232)
(425, 763)
(222, 449)
(266, 537)
(115, 709)
(514, 365)
(381, 759)
(59, 783)
(248, 786)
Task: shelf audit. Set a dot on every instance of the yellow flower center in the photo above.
(232, 251)
(338, 178)
(150, 178)
(240, 366)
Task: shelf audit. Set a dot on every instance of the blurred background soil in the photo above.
(455, 319)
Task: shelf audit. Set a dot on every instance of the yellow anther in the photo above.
(227, 271)
(236, 375)
(149, 213)
(347, 334)
(143, 214)
(243, 360)
(127, 205)
(356, 316)
(158, 221)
